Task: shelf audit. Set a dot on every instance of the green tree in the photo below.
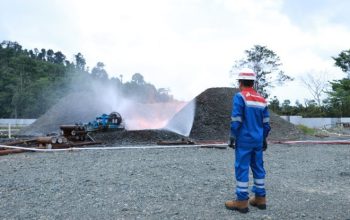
(42, 55)
(99, 72)
(286, 107)
(50, 55)
(116, 82)
(59, 57)
(343, 61)
(340, 96)
(13, 48)
(266, 64)
(80, 61)
(275, 105)
(138, 79)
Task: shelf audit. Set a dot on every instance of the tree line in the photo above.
(268, 67)
(31, 81)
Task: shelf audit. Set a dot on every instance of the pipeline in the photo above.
(312, 142)
(219, 146)
(113, 148)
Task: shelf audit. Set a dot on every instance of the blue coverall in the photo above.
(249, 126)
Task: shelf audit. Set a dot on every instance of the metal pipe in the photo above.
(168, 147)
(312, 142)
(47, 140)
(110, 148)
(10, 151)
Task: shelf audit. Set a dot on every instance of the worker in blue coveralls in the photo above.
(249, 129)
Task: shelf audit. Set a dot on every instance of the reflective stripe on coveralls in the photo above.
(252, 157)
(266, 120)
(242, 186)
(259, 183)
(236, 119)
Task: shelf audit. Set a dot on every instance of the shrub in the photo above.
(306, 130)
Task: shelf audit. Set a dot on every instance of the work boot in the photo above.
(241, 206)
(258, 201)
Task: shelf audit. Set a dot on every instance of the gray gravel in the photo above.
(303, 182)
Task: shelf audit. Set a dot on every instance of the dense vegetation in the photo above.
(31, 81)
(337, 104)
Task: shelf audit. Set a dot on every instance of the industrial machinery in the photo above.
(79, 132)
(72, 135)
(105, 122)
(74, 132)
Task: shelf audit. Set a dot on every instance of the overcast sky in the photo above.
(185, 45)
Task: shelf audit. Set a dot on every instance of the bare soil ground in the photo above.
(303, 182)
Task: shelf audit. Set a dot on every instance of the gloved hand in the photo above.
(264, 144)
(232, 142)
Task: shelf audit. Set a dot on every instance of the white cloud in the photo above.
(186, 46)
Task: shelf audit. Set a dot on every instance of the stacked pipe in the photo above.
(74, 132)
(49, 141)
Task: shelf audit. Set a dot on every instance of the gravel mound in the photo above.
(213, 116)
(283, 130)
(303, 182)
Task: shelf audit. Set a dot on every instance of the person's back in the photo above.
(254, 111)
(249, 129)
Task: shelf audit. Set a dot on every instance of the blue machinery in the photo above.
(105, 122)
(79, 132)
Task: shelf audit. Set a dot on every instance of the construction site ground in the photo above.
(302, 182)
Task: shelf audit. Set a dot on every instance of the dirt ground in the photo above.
(303, 182)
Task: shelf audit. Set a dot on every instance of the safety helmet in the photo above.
(246, 74)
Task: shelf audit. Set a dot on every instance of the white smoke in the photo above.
(140, 116)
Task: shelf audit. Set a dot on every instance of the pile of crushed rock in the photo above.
(211, 120)
(213, 116)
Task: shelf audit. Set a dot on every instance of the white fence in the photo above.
(9, 126)
(18, 122)
(317, 122)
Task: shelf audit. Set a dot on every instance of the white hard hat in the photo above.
(246, 74)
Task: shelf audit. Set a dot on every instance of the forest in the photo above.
(31, 81)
